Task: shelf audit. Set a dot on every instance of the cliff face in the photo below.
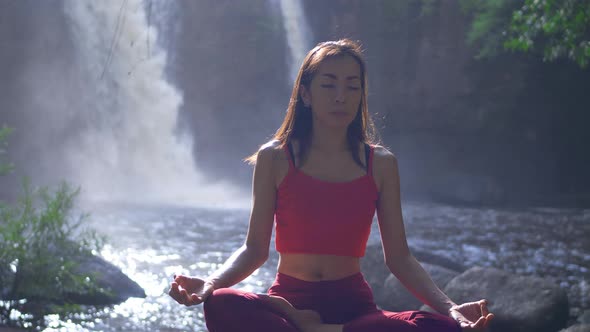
(231, 65)
(37, 84)
(507, 130)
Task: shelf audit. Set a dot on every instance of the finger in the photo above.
(182, 277)
(489, 318)
(184, 294)
(484, 308)
(174, 293)
(191, 301)
(465, 325)
(480, 323)
(195, 299)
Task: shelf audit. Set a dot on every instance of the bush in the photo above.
(4, 166)
(40, 242)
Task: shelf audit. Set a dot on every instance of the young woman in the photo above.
(322, 178)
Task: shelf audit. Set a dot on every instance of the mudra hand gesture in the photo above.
(472, 316)
(190, 290)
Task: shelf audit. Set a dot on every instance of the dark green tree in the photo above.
(552, 29)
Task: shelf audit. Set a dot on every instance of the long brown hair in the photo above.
(298, 121)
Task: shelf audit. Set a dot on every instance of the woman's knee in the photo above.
(429, 321)
(222, 301)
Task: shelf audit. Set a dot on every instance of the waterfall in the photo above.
(298, 34)
(129, 148)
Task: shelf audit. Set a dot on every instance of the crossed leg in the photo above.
(234, 310)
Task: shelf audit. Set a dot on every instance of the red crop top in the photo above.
(314, 216)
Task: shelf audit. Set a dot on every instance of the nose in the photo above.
(340, 95)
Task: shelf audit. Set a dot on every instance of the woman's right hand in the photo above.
(190, 290)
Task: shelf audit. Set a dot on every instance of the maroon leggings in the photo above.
(347, 301)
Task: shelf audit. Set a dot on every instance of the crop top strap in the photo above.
(290, 155)
(369, 158)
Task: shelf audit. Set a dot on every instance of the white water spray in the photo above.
(298, 34)
(129, 149)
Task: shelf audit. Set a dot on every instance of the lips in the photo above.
(339, 113)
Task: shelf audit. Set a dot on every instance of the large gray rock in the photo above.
(374, 269)
(519, 303)
(584, 317)
(114, 285)
(397, 298)
(376, 272)
(428, 257)
(577, 328)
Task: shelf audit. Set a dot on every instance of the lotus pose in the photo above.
(319, 181)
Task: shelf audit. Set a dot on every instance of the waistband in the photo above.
(287, 280)
(336, 301)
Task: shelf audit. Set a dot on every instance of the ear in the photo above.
(305, 95)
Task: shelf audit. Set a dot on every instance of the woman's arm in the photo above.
(471, 316)
(254, 252)
(398, 257)
(194, 290)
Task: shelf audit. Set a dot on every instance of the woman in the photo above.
(322, 178)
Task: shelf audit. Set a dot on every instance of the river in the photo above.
(150, 244)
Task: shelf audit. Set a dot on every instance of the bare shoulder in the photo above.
(270, 150)
(274, 160)
(384, 166)
(382, 157)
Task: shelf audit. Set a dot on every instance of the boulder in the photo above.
(584, 317)
(397, 298)
(113, 285)
(577, 328)
(374, 269)
(434, 259)
(376, 272)
(519, 303)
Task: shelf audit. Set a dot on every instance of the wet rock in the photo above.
(519, 303)
(397, 298)
(577, 328)
(114, 285)
(376, 272)
(584, 317)
(374, 269)
(428, 257)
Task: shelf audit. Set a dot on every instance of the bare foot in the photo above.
(304, 320)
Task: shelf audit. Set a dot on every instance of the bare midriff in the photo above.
(312, 267)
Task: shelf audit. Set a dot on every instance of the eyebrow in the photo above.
(332, 76)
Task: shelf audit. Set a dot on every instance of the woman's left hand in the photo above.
(472, 316)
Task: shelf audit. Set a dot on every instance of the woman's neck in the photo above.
(329, 140)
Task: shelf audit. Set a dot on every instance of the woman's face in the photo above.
(335, 92)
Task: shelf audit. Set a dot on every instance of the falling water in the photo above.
(130, 148)
(298, 34)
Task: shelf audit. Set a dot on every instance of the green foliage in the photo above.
(550, 28)
(560, 29)
(488, 28)
(40, 243)
(4, 166)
